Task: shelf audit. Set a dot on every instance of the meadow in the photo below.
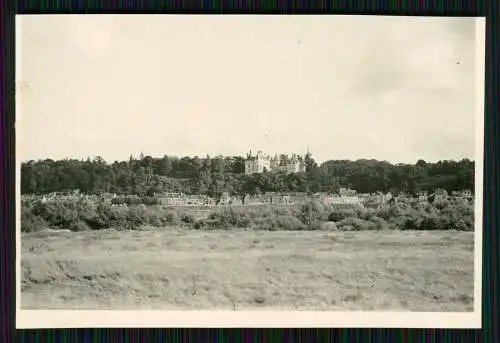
(172, 268)
(406, 257)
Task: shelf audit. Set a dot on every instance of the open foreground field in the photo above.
(242, 270)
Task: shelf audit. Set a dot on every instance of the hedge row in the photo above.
(314, 216)
(84, 215)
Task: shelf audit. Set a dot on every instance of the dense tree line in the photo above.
(213, 175)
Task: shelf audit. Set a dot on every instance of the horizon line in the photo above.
(155, 156)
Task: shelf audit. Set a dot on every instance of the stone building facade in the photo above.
(262, 162)
(257, 164)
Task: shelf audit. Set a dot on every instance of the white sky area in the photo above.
(346, 87)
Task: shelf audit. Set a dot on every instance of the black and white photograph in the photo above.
(249, 170)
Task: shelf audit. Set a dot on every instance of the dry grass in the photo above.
(240, 270)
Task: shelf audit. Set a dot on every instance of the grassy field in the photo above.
(242, 270)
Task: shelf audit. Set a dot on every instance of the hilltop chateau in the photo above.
(261, 162)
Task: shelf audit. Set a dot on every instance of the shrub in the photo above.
(441, 204)
(101, 218)
(457, 218)
(380, 223)
(342, 213)
(257, 219)
(137, 216)
(150, 201)
(79, 215)
(312, 213)
(188, 218)
(367, 214)
(118, 201)
(355, 224)
(260, 212)
(134, 201)
(230, 218)
(441, 216)
(411, 219)
(391, 211)
(287, 222)
(385, 212)
(278, 222)
(262, 223)
(80, 226)
(57, 214)
(118, 214)
(131, 201)
(155, 221)
(432, 219)
(31, 222)
(210, 224)
(199, 224)
(169, 216)
(284, 211)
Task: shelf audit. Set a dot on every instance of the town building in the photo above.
(342, 200)
(181, 199)
(257, 164)
(347, 192)
(462, 194)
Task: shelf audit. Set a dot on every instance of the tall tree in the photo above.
(309, 162)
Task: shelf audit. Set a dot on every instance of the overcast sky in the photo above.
(346, 87)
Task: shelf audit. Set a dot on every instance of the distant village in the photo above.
(260, 163)
(344, 197)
